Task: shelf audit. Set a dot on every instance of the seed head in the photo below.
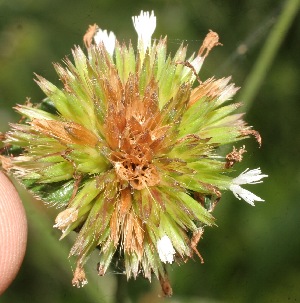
(130, 151)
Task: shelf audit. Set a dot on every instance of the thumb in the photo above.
(13, 232)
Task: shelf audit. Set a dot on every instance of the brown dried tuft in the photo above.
(6, 163)
(210, 89)
(256, 134)
(166, 286)
(211, 40)
(89, 35)
(133, 235)
(194, 242)
(79, 278)
(65, 132)
(134, 132)
(234, 156)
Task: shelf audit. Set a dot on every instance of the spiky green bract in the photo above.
(129, 149)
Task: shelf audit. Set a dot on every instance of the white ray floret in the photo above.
(109, 40)
(165, 250)
(247, 177)
(197, 63)
(144, 25)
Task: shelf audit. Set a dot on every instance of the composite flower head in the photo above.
(127, 148)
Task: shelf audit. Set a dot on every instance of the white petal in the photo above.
(109, 40)
(144, 25)
(197, 63)
(249, 177)
(165, 250)
(245, 194)
(228, 92)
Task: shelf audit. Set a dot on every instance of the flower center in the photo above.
(134, 132)
(135, 168)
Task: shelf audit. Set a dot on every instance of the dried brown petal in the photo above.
(79, 279)
(65, 132)
(166, 286)
(234, 156)
(211, 40)
(195, 240)
(252, 132)
(89, 35)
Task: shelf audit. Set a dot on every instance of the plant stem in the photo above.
(121, 292)
(268, 52)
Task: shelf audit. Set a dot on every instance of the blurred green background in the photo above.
(254, 253)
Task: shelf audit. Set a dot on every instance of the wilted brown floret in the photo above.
(79, 278)
(166, 286)
(234, 156)
(195, 240)
(65, 132)
(134, 133)
(210, 89)
(256, 134)
(211, 40)
(89, 35)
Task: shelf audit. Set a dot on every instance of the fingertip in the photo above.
(13, 232)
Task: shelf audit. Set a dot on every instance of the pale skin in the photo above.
(13, 232)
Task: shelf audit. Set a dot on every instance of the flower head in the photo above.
(130, 150)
